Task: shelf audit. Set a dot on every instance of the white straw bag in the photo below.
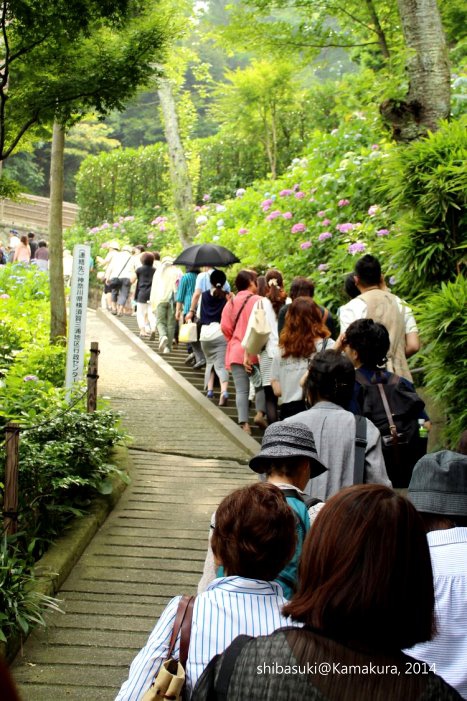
(258, 330)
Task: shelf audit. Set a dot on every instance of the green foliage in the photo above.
(120, 182)
(23, 283)
(20, 607)
(443, 329)
(427, 185)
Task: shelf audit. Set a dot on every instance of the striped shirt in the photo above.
(186, 291)
(448, 649)
(230, 606)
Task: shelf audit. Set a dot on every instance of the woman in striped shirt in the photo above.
(253, 539)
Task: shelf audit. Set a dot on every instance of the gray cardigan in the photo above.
(334, 432)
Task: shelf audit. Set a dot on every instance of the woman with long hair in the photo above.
(22, 252)
(365, 592)
(272, 301)
(303, 335)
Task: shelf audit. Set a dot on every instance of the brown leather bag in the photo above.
(170, 680)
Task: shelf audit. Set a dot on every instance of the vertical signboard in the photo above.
(77, 315)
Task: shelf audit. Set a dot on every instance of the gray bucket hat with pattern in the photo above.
(439, 484)
(284, 440)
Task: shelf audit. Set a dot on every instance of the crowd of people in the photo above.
(321, 580)
(22, 248)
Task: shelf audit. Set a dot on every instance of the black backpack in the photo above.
(394, 409)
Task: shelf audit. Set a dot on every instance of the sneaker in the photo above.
(152, 335)
(246, 428)
(163, 343)
(190, 359)
(166, 351)
(260, 420)
(223, 399)
(210, 394)
(199, 364)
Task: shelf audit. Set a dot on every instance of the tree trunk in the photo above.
(378, 28)
(428, 98)
(57, 290)
(181, 185)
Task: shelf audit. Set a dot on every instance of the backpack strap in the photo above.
(312, 501)
(229, 658)
(360, 448)
(294, 494)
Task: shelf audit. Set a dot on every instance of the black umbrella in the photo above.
(206, 254)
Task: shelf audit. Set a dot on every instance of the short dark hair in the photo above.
(31, 235)
(351, 289)
(147, 259)
(244, 278)
(302, 287)
(42, 244)
(157, 255)
(368, 270)
(331, 376)
(365, 571)
(255, 533)
(287, 466)
(140, 247)
(371, 341)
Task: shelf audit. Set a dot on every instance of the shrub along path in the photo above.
(151, 547)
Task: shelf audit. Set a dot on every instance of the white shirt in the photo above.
(289, 372)
(448, 649)
(229, 607)
(357, 309)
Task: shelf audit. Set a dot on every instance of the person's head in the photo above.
(218, 280)
(331, 377)
(261, 285)
(438, 489)
(366, 342)
(303, 326)
(255, 535)
(351, 289)
(147, 259)
(365, 571)
(302, 287)
(288, 450)
(42, 244)
(367, 272)
(246, 280)
(24, 240)
(275, 289)
(157, 255)
(138, 249)
(31, 235)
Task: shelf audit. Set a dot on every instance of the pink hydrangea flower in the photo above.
(322, 267)
(321, 213)
(345, 228)
(325, 235)
(374, 147)
(382, 232)
(300, 195)
(276, 213)
(357, 247)
(265, 204)
(392, 280)
(162, 227)
(374, 209)
(298, 228)
(30, 378)
(287, 215)
(285, 193)
(242, 231)
(5, 296)
(150, 237)
(240, 192)
(343, 203)
(325, 222)
(296, 187)
(305, 245)
(206, 197)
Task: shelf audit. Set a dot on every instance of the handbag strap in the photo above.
(182, 622)
(124, 266)
(241, 309)
(360, 449)
(387, 409)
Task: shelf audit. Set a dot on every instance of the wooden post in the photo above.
(93, 377)
(10, 504)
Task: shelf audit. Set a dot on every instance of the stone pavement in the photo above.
(152, 546)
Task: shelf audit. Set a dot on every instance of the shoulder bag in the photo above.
(188, 332)
(258, 331)
(170, 680)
